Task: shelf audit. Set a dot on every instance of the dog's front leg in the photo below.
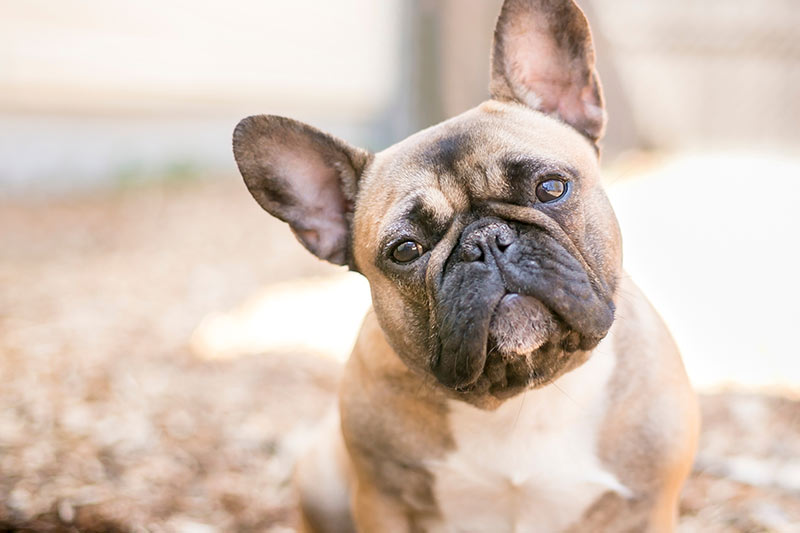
(664, 515)
(376, 512)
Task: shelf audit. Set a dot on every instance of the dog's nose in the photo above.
(484, 237)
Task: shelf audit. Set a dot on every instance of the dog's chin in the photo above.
(528, 347)
(520, 325)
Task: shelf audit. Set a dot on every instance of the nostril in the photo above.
(471, 253)
(487, 239)
(504, 240)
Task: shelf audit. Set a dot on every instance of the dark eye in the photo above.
(407, 251)
(551, 189)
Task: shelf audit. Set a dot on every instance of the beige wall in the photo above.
(338, 57)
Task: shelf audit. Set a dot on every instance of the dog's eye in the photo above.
(407, 251)
(551, 189)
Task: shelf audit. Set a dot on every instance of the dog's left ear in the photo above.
(543, 57)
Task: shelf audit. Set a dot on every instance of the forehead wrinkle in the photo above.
(457, 194)
(495, 181)
(398, 211)
(537, 165)
(436, 204)
(428, 207)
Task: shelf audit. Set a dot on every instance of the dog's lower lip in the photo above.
(520, 325)
(510, 298)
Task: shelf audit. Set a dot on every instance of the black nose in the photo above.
(485, 237)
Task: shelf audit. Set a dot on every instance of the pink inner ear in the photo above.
(539, 70)
(315, 183)
(549, 76)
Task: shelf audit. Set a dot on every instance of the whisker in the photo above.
(519, 412)
(562, 391)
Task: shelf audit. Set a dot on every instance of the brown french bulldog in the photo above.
(510, 377)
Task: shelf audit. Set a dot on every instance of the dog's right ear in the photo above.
(304, 177)
(543, 57)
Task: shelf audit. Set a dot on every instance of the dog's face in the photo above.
(490, 247)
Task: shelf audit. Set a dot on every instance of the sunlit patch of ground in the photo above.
(318, 316)
(135, 393)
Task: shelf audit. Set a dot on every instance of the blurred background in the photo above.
(166, 348)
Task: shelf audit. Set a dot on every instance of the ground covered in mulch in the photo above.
(109, 422)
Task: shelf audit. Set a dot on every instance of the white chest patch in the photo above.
(531, 465)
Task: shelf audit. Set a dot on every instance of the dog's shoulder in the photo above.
(651, 429)
(392, 422)
(648, 366)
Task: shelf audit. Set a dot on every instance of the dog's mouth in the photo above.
(528, 346)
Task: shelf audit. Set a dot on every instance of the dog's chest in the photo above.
(531, 465)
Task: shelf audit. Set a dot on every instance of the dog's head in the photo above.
(489, 244)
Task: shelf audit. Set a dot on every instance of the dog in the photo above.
(510, 377)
